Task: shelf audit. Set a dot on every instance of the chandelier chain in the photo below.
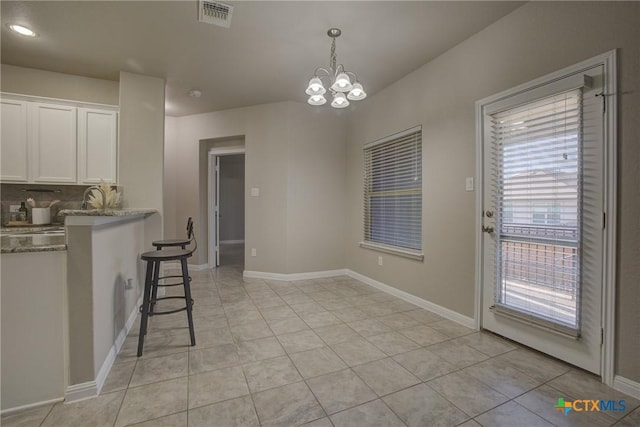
(332, 56)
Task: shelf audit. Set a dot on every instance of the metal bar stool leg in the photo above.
(188, 300)
(145, 306)
(154, 287)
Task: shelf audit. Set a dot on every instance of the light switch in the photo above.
(255, 192)
(468, 184)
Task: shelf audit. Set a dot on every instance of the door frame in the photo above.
(211, 196)
(608, 61)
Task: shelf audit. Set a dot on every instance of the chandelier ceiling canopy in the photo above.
(343, 85)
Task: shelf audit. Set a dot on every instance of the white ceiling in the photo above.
(268, 54)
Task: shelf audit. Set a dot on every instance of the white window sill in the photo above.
(406, 253)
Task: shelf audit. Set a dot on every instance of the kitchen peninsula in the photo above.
(104, 282)
(69, 297)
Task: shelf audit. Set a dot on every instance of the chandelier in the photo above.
(339, 81)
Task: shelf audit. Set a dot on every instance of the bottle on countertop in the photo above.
(22, 212)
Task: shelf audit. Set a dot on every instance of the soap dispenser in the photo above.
(22, 212)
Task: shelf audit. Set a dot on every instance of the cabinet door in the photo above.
(97, 145)
(14, 147)
(53, 142)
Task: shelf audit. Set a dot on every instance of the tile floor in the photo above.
(325, 352)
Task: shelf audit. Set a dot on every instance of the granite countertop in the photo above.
(106, 212)
(31, 239)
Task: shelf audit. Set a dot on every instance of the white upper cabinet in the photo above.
(53, 132)
(97, 145)
(14, 147)
(47, 141)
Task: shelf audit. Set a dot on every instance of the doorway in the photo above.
(226, 208)
(547, 207)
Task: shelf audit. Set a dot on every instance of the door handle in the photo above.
(487, 229)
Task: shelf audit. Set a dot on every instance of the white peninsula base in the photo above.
(105, 282)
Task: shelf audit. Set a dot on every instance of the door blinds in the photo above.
(537, 150)
(393, 191)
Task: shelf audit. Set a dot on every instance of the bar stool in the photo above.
(169, 243)
(151, 284)
(160, 244)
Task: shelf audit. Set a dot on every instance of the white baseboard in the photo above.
(194, 267)
(231, 242)
(23, 408)
(81, 391)
(293, 276)
(92, 388)
(421, 303)
(627, 386)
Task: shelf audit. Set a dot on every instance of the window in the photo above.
(539, 203)
(393, 194)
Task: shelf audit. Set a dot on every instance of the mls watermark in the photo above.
(590, 405)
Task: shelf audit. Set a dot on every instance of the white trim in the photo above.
(81, 391)
(627, 386)
(393, 250)
(294, 276)
(417, 301)
(608, 61)
(231, 242)
(198, 267)
(93, 388)
(227, 151)
(60, 101)
(211, 238)
(193, 267)
(477, 309)
(23, 408)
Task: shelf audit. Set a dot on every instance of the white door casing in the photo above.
(598, 266)
(214, 200)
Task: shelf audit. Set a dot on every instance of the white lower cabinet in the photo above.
(57, 143)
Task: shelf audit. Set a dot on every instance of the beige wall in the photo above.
(315, 190)
(170, 178)
(29, 81)
(536, 39)
(141, 146)
(278, 139)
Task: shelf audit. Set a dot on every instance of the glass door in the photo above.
(543, 207)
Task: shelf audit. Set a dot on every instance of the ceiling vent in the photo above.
(216, 13)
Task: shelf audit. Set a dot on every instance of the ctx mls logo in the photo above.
(590, 405)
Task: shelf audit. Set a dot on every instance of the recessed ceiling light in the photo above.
(22, 30)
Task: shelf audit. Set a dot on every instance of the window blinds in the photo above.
(537, 190)
(393, 191)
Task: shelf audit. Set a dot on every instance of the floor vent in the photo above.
(216, 13)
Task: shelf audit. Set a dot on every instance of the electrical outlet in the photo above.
(129, 284)
(255, 192)
(380, 260)
(14, 208)
(253, 251)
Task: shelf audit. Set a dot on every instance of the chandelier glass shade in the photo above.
(343, 85)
